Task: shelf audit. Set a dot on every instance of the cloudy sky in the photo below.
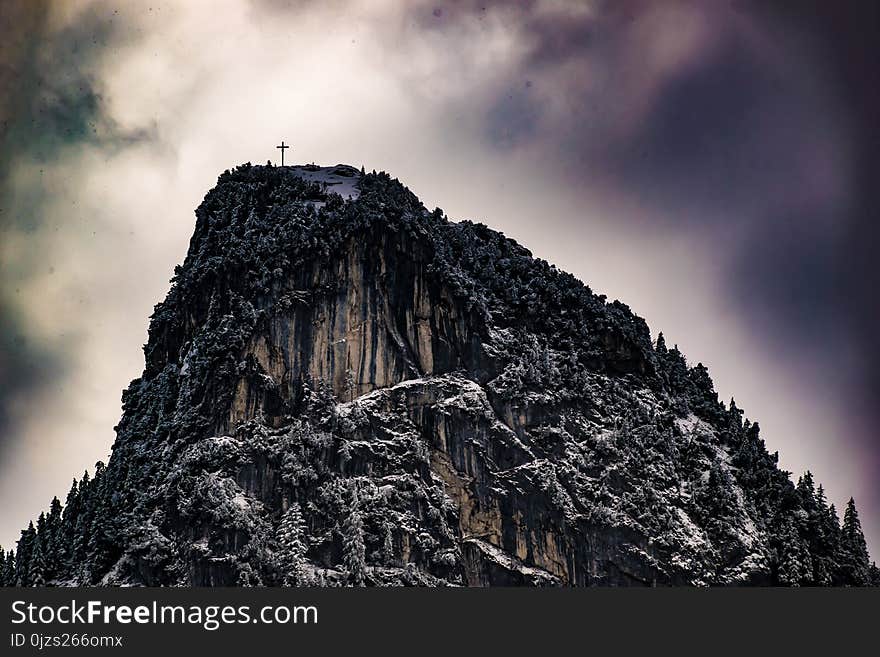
(709, 163)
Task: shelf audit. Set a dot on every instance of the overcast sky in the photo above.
(708, 163)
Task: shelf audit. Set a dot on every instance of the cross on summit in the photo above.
(282, 147)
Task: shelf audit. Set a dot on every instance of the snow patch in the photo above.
(341, 179)
(241, 501)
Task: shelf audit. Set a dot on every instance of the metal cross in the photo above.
(282, 147)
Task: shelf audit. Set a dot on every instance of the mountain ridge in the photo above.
(355, 390)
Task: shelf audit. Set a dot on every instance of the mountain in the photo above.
(343, 388)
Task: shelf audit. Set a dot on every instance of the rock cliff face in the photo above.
(370, 319)
(349, 389)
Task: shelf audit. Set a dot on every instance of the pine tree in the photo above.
(715, 507)
(41, 524)
(874, 575)
(65, 537)
(52, 543)
(806, 490)
(81, 531)
(748, 457)
(37, 566)
(673, 367)
(23, 555)
(702, 396)
(824, 539)
(9, 568)
(661, 347)
(102, 543)
(795, 565)
(353, 549)
(350, 385)
(853, 550)
(387, 545)
(734, 420)
(42, 532)
(831, 524)
(55, 510)
(809, 524)
(292, 547)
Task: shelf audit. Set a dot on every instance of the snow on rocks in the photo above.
(341, 179)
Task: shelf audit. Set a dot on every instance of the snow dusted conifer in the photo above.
(8, 568)
(80, 535)
(387, 545)
(795, 565)
(292, 546)
(806, 490)
(350, 385)
(64, 534)
(37, 566)
(823, 530)
(734, 418)
(42, 532)
(23, 555)
(247, 576)
(353, 549)
(661, 347)
(52, 541)
(854, 551)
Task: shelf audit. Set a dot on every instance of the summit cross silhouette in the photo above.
(282, 147)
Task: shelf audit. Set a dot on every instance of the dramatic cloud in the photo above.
(707, 163)
(723, 124)
(52, 106)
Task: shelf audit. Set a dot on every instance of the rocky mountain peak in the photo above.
(343, 387)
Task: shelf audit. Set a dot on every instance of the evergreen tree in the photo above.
(37, 566)
(809, 525)
(832, 530)
(806, 490)
(795, 565)
(350, 385)
(853, 550)
(52, 543)
(874, 575)
(23, 555)
(661, 347)
(65, 537)
(749, 456)
(734, 423)
(55, 511)
(387, 545)
(81, 531)
(102, 544)
(42, 532)
(702, 396)
(353, 549)
(292, 546)
(673, 367)
(9, 568)
(715, 507)
(824, 539)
